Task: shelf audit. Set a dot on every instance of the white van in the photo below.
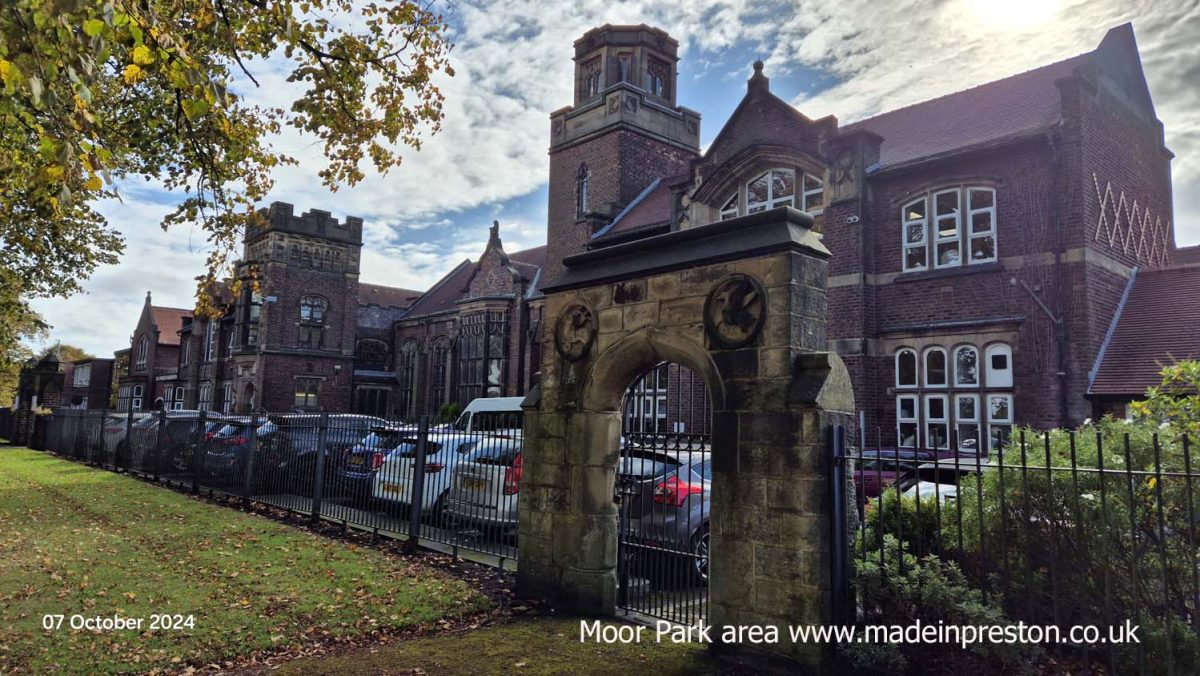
(492, 414)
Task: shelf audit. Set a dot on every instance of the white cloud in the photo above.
(514, 66)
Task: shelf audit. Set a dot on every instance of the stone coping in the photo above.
(773, 231)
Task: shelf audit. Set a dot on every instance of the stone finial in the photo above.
(494, 232)
(758, 82)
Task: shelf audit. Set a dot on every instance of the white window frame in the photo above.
(958, 382)
(178, 403)
(914, 420)
(772, 201)
(227, 398)
(135, 399)
(727, 211)
(187, 350)
(923, 245)
(997, 423)
(970, 224)
(232, 341)
(942, 420)
(916, 368)
(1002, 378)
(960, 420)
(806, 193)
(205, 401)
(210, 341)
(936, 229)
(924, 367)
(82, 376)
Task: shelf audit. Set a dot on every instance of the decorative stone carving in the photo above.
(614, 104)
(735, 310)
(631, 104)
(575, 331)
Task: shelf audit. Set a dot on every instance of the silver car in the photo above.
(485, 487)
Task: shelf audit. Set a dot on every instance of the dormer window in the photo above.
(944, 225)
(776, 188)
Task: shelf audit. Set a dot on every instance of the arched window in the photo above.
(312, 309)
(591, 80)
(999, 365)
(775, 188)
(371, 355)
(205, 397)
(143, 346)
(136, 404)
(439, 373)
(407, 372)
(581, 191)
(966, 366)
(935, 367)
(656, 78)
(177, 404)
(951, 227)
(906, 368)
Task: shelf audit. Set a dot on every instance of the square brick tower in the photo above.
(623, 132)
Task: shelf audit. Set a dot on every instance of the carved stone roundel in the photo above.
(575, 331)
(735, 310)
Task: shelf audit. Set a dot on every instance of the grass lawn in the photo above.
(81, 541)
(528, 647)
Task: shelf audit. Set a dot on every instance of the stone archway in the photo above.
(742, 304)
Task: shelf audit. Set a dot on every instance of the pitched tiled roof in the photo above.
(1186, 255)
(997, 111)
(453, 287)
(1157, 327)
(388, 296)
(651, 207)
(168, 320)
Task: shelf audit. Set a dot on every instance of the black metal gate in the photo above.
(663, 492)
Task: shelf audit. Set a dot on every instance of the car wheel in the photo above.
(437, 516)
(699, 562)
(300, 476)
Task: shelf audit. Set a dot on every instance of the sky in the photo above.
(849, 58)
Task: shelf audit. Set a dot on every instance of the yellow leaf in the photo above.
(94, 183)
(4, 68)
(142, 55)
(55, 172)
(132, 74)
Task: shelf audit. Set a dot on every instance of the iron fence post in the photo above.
(118, 460)
(418, 486)
(158, 442)
(100, 434)
(198, 452)
(319, 468)
(839, 554)
(251, 452)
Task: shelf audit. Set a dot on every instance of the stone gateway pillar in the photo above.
(742, 304)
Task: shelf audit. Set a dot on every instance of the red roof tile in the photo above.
(387, 296)
(1157, 326)
(997, 111)
(169, 321)
(652, 207)
(1186, 255)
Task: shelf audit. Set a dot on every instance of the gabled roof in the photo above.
(1010, 108)
(387, 296)
(997, 111)
(1158, 326)
(453, 287)
(169, 321)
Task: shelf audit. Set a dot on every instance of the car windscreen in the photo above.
(490, 421)
(496, 452)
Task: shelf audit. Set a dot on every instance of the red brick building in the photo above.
(985, 249)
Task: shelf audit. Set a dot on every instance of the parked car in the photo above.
(485, 487)
(289, 455)
(444, 450)
(355, 475)
(668, 503)
(229, 446)
(149, 441)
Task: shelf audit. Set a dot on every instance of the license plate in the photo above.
(393, 488)
(475, 484)
(356, 460)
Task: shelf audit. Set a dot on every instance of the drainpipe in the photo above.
(1060, 329)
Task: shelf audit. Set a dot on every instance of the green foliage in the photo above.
(1078, 546)
(896, 587)
(94, 91)
(17, 324)
(449, 412)
(1176, 400)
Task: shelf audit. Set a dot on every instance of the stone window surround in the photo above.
(917, 398)
(737, 204)
(963, 216)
